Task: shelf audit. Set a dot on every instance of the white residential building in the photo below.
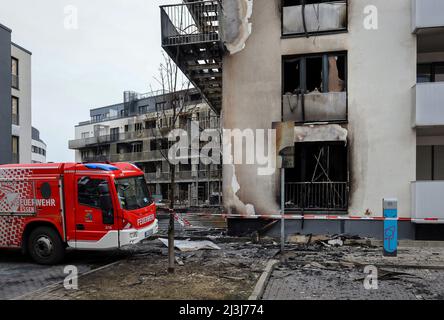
(355, 90)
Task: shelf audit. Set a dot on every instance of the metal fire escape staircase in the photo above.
(192, 36)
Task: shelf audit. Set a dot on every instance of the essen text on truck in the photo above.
(45, 208)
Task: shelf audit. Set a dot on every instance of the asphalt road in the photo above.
(20, 276)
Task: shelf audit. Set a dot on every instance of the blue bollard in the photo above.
(390, 211)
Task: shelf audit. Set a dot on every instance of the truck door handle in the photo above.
(80, 227)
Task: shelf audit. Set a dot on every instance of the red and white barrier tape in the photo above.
(184, 222)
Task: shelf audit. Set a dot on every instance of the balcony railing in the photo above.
(183, 176)
(191, 22)
(123, 136)
(427, 201)
(427, 14)
(316, 196)
(139, 156)
(96, 158)
(428, 104)
(313, 107)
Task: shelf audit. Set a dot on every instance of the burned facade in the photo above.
(338, 81)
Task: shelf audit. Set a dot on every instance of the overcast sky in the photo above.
(115, 48)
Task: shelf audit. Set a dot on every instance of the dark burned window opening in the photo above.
(314, 88)
(310, 17)
(319, 179)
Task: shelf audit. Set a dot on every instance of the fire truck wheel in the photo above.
(45, 246)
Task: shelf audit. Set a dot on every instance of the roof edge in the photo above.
(21, 48)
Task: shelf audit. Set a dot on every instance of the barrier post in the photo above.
(390, 212)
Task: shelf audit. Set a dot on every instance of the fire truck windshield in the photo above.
(133, 193)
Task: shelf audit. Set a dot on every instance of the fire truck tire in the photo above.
(45, 246)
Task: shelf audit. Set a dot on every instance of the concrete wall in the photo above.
(381, 73)
(5, 96)
(25, 95)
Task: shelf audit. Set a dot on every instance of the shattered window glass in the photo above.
(313, 16)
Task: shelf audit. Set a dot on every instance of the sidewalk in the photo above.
(313, 273)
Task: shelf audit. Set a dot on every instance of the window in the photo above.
(85, 135)
(114, 134)
(84, 154)
(151, 124)
(430, 72)
(429, 163)
(138, 127)
(97, 118)
(133, 193)
(95, 193)
(15, 149)
(314, 88)
(143, 109)
(89, 191)
(15, 73)
(15, 111)
(137, 147)
(319, 178)
(308, 17)
(160, 106)
(126, 128)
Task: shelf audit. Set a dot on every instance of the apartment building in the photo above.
(15, 100)
(38, 147)
(354, 90)
(136, 131)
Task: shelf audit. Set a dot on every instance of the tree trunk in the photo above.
(171, 257)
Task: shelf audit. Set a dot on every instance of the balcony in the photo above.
(427, 14)
(316, 196)
(315, 107)
(427, 201)
(139, 156)
(124, 136)
(428, 109)
(192, 36)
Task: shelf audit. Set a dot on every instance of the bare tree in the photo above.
(172, 105)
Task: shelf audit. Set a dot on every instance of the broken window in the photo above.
(138, 126)
(137, 147)
(315, 88)
(150, 124)
(319, 179)
(307, 17)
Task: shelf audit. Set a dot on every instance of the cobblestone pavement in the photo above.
(20, 276)
(338, 274)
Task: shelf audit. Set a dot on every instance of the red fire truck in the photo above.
(46, 208)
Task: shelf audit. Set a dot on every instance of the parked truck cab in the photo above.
(46, 208)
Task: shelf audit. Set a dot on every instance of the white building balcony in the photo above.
(427, 14)
(427, 201)
(428, 109)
